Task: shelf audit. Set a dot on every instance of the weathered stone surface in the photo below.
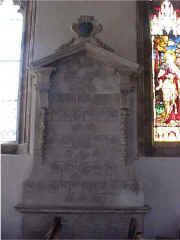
(81, 226)
(85, 139)
(81, 145)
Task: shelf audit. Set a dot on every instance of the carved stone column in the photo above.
(41, 82)
(125, 90)
(123, 132)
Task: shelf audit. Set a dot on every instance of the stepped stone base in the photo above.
(81, 223)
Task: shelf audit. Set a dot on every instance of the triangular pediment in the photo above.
(106, 56)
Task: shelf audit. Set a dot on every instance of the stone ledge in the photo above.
(144, 158)
(85, 210)
(14, 148)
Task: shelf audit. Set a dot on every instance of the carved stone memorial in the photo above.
(80, 142)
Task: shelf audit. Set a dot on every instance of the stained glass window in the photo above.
(10, 48)
(165, 35)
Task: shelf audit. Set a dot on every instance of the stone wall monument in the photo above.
(79, 141)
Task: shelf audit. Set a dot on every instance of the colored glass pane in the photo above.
(165, 34)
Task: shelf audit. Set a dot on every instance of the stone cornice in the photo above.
(85, 210)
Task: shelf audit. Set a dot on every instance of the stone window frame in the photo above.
(28, 9)
(146, 146)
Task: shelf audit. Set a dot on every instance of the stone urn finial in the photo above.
(86, 27)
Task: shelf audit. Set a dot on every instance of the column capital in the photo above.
(125, 92)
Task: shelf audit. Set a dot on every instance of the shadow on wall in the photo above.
(161, 189)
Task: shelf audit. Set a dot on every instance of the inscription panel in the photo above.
(83, 131)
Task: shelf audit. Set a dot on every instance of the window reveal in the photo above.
(165, 36)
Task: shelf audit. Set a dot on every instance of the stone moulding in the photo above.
(73, 210)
